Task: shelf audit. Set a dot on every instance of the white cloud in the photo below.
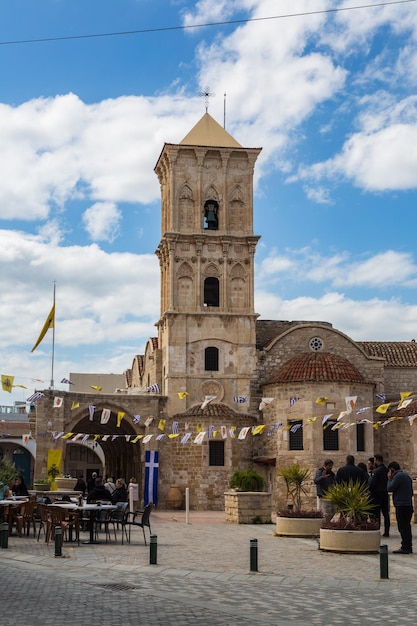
(367, 320)
(382, 270)
(102, 220)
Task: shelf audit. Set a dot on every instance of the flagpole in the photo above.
(53, 343)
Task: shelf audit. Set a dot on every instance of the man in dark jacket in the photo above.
(401, 487)
(99, 492)
(377, 485)
(351, 472)
(325, 478)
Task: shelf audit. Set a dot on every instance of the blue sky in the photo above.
(331, 98)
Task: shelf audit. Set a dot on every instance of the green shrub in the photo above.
(249, 480)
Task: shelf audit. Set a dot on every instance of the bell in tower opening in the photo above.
(211, 221)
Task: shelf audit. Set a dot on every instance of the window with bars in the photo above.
(216, 453)
(296, 435)
(360, 437)
(330, 437)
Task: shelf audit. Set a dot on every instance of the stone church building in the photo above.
(219, 389)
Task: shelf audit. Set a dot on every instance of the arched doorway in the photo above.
(109, 450)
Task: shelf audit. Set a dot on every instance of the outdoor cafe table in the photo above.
(93, 509)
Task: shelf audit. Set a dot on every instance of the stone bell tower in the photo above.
(206, 329)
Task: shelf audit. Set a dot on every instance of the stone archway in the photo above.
(121, 457)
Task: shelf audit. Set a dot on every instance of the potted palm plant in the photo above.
(351, 529)
(296, 521)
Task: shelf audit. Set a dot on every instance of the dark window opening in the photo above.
(360, 437)
(211, 292)
(216, 453)
(296, 435)
(330, 437)
(211, 359)
(211, 215)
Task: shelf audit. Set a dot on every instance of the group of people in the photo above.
(97, 489)
(380, 481)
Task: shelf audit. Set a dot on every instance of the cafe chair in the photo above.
(140, 519)
(16, 519)
(117, 517)
(66, 520)
(103, 518)
(28, 514)
(44, 521)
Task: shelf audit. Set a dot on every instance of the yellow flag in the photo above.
(96, 387)
(120, 416)
(322, 400)
(383, 408)
(161, 424)
(74, 405)
(7, 383)
(50, 323)
(259, 429)
(182, 394)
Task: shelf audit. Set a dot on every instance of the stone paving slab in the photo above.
(203, 578)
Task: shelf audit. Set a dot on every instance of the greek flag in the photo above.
(153, 388)
(239, 399)
(35, 396)
(66, 381)
(151, 477)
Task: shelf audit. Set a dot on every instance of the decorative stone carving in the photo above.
(212, 388)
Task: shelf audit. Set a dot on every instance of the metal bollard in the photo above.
(383, 561)
(253, 555)
(5, 535)
(58, 541)
(153, 548)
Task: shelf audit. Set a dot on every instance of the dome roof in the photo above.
(316, 367)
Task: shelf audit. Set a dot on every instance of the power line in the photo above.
(205, 25)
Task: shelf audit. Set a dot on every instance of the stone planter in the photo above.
(248, 507)
(298, 526)
(355, 541)
(65, 484)
(41, 487)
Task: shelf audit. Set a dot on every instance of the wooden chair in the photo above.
(28, 514)
(140, 519)
(65, 519)
(44, 521)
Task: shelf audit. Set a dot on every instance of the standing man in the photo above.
(325, 478)
(401, 487)
(350, 471)
(377, 485)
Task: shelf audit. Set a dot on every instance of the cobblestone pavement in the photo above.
(202, 576)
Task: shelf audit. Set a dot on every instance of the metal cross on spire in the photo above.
(206, 94)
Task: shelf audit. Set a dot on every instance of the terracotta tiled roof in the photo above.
(411, 409)
(211, 410)
(396, 353)
(14, 429)
(316, 366)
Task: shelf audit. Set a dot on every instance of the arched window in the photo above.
(211, 291)
(211, 215)
(211, 359)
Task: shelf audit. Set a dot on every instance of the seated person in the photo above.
(19, 488)
(80, 485)
(120, 493)
(99, 492)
